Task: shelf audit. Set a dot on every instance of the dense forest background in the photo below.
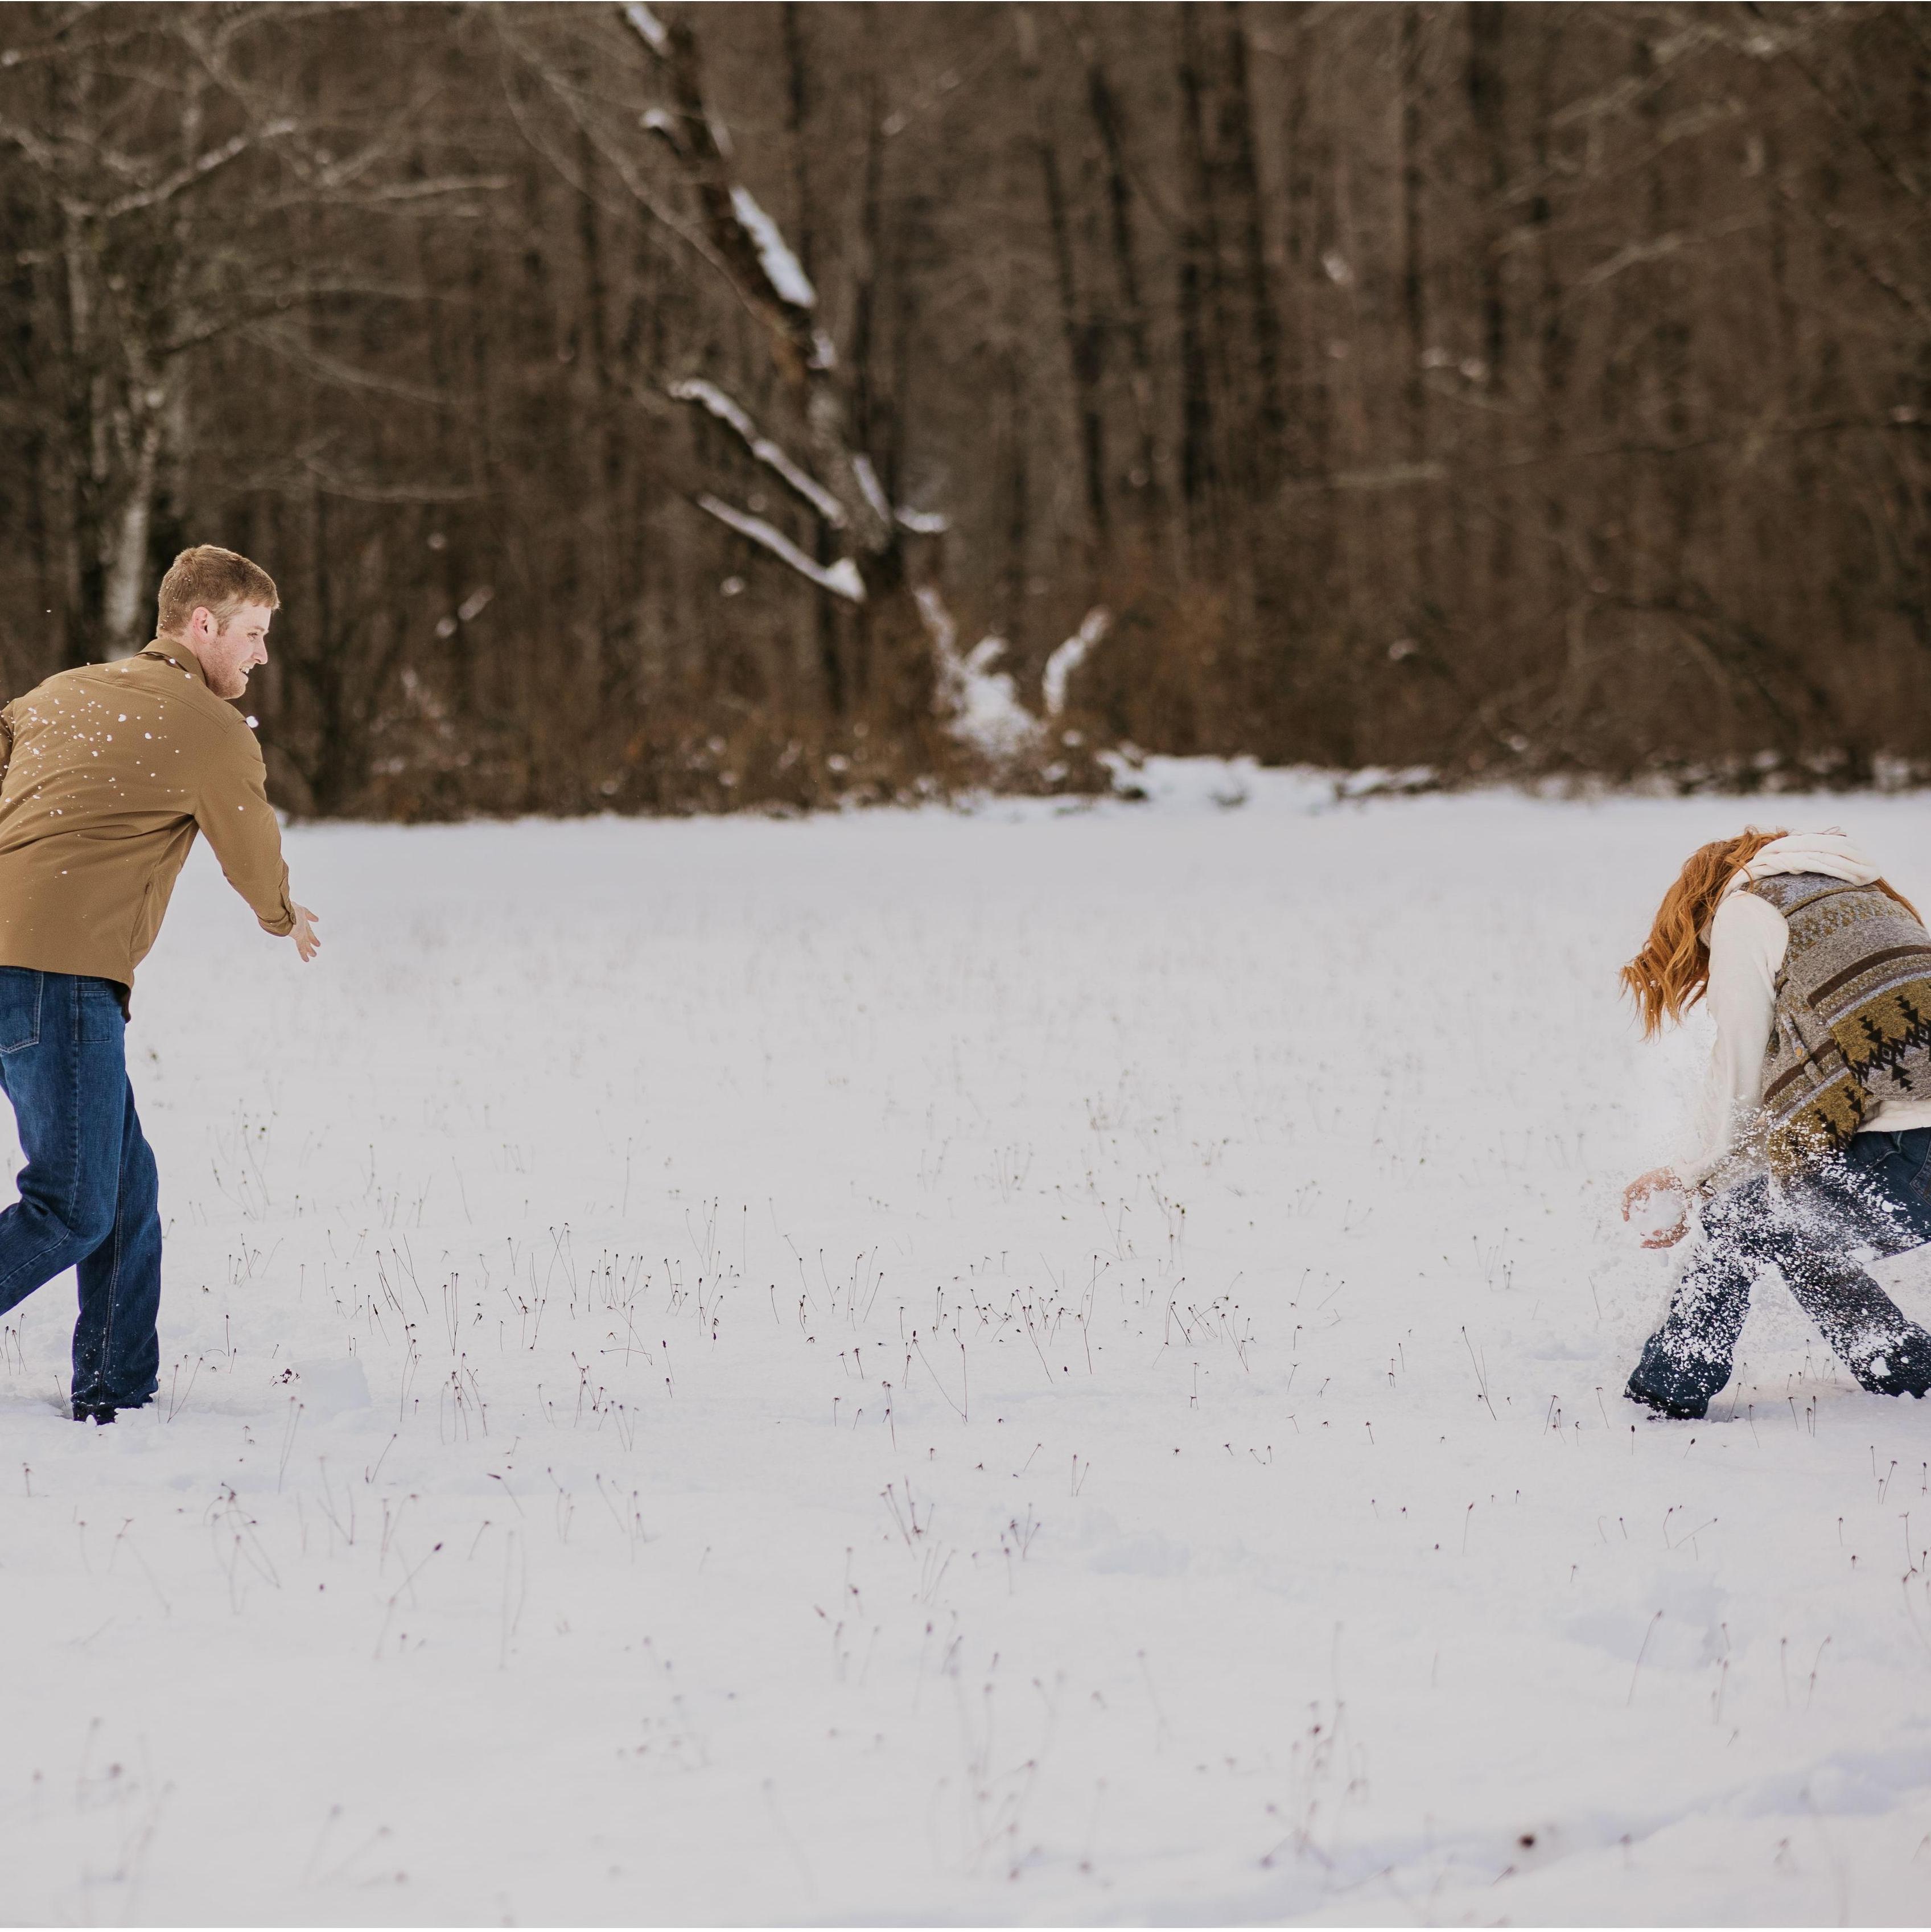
(654, 408)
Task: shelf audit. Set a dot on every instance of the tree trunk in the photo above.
(1143, 478)
(1085, 343)
(1414, 286)
(1201, 477)
(124, 560)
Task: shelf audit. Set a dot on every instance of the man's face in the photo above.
(229, 651)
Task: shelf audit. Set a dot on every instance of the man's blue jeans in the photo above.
(1875, 1197)
(89, 1197)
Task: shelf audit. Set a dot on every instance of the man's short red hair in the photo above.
(220, 581)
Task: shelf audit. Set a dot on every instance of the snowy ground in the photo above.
(1031, 1366)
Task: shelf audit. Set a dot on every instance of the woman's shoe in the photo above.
(1679, 1411)
(1906, 1370)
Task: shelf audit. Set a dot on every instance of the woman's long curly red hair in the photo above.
(1672, 971)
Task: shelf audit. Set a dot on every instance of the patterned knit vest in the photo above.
(1852, 1025)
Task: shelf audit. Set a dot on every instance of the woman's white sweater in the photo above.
(1748, 938)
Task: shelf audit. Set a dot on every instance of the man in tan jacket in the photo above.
(109, 772)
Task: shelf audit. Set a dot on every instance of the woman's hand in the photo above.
(1658, 1180)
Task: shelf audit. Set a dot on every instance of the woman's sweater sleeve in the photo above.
(1748, 939)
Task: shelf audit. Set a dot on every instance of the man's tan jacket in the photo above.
(108, 772)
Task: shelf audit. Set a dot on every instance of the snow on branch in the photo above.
(720, 405)
(841, 579)
(782, 269)
(649, 29)
(867, 481)
(922, 523)
(1068, 658)
(980, 706)
(708, 396)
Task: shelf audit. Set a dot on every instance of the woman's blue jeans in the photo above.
(89, 1195)
(1873, 1200)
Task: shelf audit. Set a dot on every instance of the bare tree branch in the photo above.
(197, 171)
(708, 397)
(841, 579)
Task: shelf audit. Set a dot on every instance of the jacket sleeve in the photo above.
(6, 742)
(233, 810)
(1748, 939)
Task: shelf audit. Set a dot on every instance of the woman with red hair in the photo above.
(1816, 1127)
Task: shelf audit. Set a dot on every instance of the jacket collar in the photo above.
(171, 650)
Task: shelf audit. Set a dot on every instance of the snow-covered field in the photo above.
(1037, 1366)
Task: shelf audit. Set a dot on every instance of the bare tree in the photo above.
(135, 126)
(649, 408)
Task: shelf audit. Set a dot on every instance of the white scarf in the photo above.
(1830, 853)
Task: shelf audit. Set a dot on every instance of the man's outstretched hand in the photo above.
(307, 945)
